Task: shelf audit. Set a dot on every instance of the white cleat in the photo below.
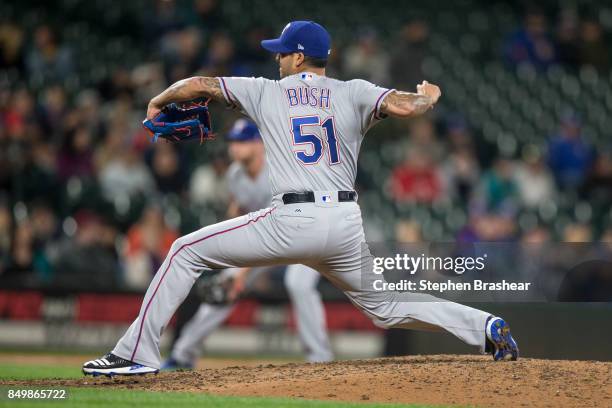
(111, 365)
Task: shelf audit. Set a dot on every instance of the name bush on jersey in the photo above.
(309, 96)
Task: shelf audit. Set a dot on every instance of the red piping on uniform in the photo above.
(227, 92)
(170, 262)
(378, 101)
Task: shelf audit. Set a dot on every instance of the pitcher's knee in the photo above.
(180, 251)
(177, 244)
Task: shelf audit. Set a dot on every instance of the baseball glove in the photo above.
(215, 289)
(178, 123)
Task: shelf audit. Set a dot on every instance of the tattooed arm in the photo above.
(185, 90)
(405, 104)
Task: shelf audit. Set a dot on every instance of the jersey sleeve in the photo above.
(367, 99)
(244, 94)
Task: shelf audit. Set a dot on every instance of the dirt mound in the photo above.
(463, 380)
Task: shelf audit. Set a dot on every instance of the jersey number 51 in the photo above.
(301, 136)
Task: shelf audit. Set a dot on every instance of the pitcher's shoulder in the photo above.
(357, 82)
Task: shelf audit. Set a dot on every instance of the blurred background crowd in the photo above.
(519, 148)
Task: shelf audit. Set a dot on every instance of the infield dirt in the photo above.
(442, 379)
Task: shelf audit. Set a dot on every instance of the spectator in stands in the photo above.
(148, 242)
(19, 116)
(45, 231)
(256, 60)
(497, 192)
(531, 44)
(28, 262)
(594, 51)
(423, 136)
(37, 175)
(87, 110)
(117, 84)
(407, 231)
(568, 44)
(221, 58)
(164, 17)
(126, 176)
(461, 169)
(597, 187)
(182, 53)
(487, 227)
(206, 15)
(112, 145)
(365, 59)
(47, 59)
(89, 259)
(21, 261)
(569, 156)
(52, 111)
(168, 171)
(208, 184)
(11, 46)
(75, 159)
(535, 183)
(417, 179)
(461, 172)
(408, 54)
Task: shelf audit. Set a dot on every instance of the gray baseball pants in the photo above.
(325, 235)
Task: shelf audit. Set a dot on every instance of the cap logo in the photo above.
(300, 47)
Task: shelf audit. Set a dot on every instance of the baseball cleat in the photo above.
(501, 343)
(173, 365)
(111, 365)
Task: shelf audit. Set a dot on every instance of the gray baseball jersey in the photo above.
(314, 132)
(250, 194)
(312, 128)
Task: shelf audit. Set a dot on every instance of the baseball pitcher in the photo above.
(312, 127)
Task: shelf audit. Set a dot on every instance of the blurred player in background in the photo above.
(249, 186)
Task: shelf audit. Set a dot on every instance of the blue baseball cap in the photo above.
(243, 131)
(307, 37)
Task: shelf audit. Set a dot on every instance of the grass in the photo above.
(96, 397)
(27, 372)
(92, 397)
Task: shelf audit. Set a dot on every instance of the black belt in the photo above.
(309, 197)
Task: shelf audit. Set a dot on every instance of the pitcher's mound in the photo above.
(462, 380)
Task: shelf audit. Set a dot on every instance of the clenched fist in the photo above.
(431, 90)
